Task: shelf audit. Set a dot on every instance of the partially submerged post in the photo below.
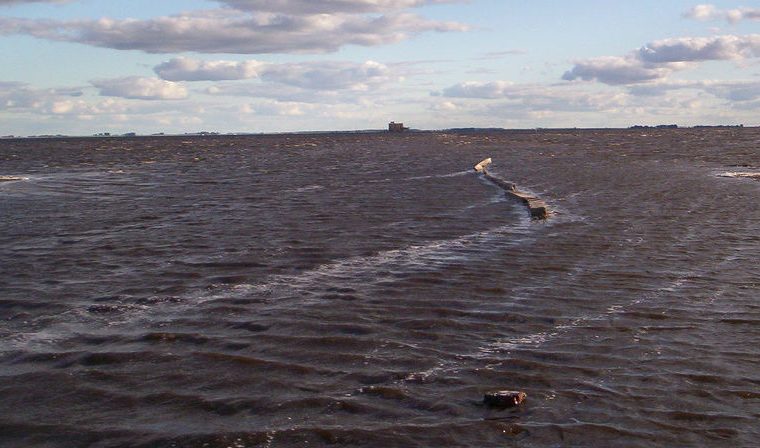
(536, 206)
(481, 166)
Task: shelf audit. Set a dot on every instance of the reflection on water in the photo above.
(367, 289)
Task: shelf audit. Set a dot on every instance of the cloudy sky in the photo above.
(88, 66)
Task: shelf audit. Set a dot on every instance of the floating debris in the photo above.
(504, 398)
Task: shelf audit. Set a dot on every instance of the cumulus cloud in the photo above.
(482, 90)
(328, 75)
(707, 12)
(135, 87)
(740, 96)
(733, 91)
(347, 94)
(82, 108)
(16, 97)
(656, 60)
(328, 6)
(507, 98)
(230, 31)
(444, 106)
(278, 92)
(615, 70)
(283, 108)
(662, 87)
(702, 12)
(736, 92)
(186, 69)
(20, 96)
(657, 99)
(301, 6)
(698, 49)
(321, 75)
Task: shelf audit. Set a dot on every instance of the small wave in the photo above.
(440, 176)
(309, 188)
(279, 291)
(4, 179)
(430, 176)
(538, 339)
(741, 175)
(428, 257)
(304, 189)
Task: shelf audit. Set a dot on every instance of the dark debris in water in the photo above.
(504, 398)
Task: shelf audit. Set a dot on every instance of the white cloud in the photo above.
(282, 108)
(135, 87)
(615, 70)
(328, 6)
(698, 49)
(289, 93)
(702, 12)
(301, 7)
(735, 92)
(661, 87)
(186, 69)
(230, 31)
(444, 106)
(19, 96)
(657, 60)
(707, 12)
(280, 93)
(321, 75)
(82, 108)
(534, 97)
(483, 90)
(328, 75)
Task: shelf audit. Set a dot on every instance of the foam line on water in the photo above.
(417, 258)
(533, 341)
(428, 257)
(425, 177)
(536, 340)
(279, 291)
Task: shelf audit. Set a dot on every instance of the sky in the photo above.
(80, 67)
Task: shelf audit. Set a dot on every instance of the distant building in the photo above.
(396, 127)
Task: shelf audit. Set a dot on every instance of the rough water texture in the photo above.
(366, 290)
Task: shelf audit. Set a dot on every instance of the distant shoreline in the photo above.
(376, 131)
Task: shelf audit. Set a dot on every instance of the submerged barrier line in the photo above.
(536, 206)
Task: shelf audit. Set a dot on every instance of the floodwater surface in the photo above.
(368, 289)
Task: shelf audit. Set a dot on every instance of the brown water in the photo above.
(366, 290)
